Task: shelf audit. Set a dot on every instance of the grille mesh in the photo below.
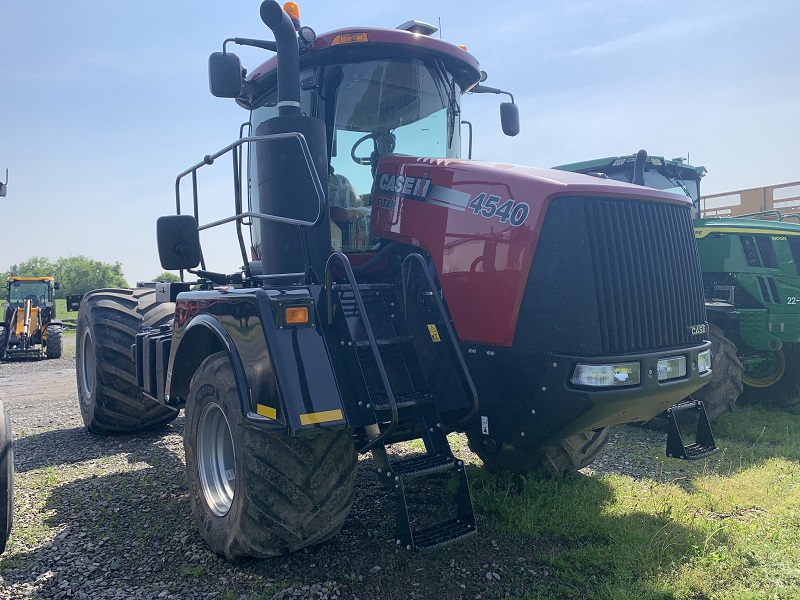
(647, 277)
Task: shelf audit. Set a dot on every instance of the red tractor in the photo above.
(391, 291)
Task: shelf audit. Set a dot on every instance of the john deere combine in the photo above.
(751, 280)
(29, 328)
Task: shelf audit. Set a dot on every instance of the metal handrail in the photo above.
(466, 378)
(351, 279)
(241, 215)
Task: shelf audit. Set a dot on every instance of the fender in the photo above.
(203, 337)
(284, 375)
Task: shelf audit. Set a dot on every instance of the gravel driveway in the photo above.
(109, 517)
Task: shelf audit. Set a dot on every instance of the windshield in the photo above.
(655, 179)
(36, 290)
(371, 108)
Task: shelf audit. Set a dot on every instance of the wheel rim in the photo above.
(765, 373)
(216, 459)
(86, 368)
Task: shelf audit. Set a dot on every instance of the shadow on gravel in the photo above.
(71, 446)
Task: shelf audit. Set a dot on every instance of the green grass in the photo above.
(69, 317)
(728, 527)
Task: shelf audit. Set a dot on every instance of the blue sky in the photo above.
(103, 103)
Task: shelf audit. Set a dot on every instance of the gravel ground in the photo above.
(109, 517)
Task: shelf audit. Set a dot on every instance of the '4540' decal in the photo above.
(489, 206)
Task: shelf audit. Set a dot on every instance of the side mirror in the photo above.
(178, 242)
(509, 118)
(225, 75)
(56, 285)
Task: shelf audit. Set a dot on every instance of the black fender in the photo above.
(200, 339)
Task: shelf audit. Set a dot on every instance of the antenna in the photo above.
(440, 27)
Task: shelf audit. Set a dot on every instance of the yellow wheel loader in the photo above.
(29, 328)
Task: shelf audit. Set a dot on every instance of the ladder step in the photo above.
(387, 341)
(402, 400)
(345, 287)
(696, 451)
(442, 534)
(426, 464)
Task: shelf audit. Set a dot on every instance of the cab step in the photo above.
(703, 445)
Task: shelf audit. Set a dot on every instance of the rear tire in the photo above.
(110, 398)
(569, 454)
(53, 347)
(257, 493)
(786, 391)
(6, 478)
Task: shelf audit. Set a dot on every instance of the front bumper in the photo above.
(532, 407)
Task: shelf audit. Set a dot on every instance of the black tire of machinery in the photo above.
(114, 317)
(570, 454)
(3, 340)
(53, 347)
(289, 493)
(719, 395)
(6, 478)
(786, 391)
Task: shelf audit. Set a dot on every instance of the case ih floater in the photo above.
(751, 283)
(29, 328)
(567, 304)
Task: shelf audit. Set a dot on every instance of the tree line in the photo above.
(77, 274)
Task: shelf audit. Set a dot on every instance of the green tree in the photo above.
(81, 274)
(167, 277)
(36, 266)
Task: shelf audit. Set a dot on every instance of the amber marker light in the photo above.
(349, 38)
(295, 315)
(464, 48)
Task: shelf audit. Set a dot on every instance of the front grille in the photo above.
(648, 284)
(612, 276)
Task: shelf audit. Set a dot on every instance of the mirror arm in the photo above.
(263, 44)
(485, 89)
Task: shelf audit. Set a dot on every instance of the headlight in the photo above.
(704, 361)
(671, 368)
(607, 375)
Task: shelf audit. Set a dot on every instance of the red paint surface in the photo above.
(483, 263)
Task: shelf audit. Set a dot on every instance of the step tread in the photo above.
(424, 464)
(696, 451)
(442, 534)
(385, 341)
(346, 287)
(402, 400)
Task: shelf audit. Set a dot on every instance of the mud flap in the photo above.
(703, 445)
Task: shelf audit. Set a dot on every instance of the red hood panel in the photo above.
(480, 222)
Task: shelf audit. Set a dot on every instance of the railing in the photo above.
(783, 197)
(240, 214)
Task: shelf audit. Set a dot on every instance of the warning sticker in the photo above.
(434, 333)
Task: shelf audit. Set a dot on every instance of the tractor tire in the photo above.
(570, 454)
(3, 341)
(53, 347)
(110, 399)
(6, 478)
(720, 394)
(257, 493)
(786, 391)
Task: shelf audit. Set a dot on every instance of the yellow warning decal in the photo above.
(703, 232)
(321, 417)
(434, 333)
(266, 411)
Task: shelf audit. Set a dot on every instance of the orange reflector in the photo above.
(464, 48)
(348, 38)
(295, 315)
(291, 9)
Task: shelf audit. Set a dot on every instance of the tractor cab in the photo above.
(669, 175)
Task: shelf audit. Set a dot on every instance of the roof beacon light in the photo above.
(290, 8)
